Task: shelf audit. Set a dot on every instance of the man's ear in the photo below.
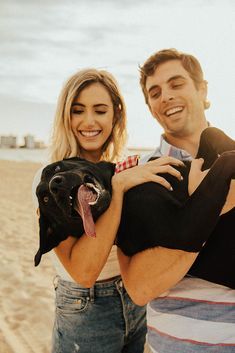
(203, 91)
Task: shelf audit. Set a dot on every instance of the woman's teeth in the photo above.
(89, 133)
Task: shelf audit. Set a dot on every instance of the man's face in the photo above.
(174, 100)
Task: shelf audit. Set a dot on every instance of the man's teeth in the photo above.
(89, 133)
(174, 110)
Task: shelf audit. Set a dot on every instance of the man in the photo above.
(196, 315)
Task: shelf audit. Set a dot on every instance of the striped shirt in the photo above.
(196, 315)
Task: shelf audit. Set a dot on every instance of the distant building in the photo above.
(39, 144)
(29, 141)
(9, 141)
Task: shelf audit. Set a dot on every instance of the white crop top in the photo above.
(110, 269)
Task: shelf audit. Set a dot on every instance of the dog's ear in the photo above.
(47, 238)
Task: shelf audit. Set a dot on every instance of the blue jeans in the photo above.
(101, 319)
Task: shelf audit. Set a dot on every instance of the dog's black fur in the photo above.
(152, 215)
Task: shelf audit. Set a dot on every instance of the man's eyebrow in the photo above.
(95, 105)
(172, 78)
(175, 78)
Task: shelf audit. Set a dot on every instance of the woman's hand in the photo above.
(140, 174)
(196, 175)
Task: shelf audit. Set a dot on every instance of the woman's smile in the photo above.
(90, 133)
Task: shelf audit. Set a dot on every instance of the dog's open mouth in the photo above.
(84, 197)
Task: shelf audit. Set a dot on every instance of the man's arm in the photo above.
(150, 273)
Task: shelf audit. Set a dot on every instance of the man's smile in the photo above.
(173, 110)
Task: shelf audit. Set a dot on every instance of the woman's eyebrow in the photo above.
(79, 104)
(100, 105)
(95, 105)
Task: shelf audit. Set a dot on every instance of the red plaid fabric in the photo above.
(129, 162)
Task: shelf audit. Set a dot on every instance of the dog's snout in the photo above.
(56, 183)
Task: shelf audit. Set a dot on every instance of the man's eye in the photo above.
(176, 85)
(155, 95)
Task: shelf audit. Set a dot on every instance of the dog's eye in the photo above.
(57, 168)
(45, 199)
(88, 179)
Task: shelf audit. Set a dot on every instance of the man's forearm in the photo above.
(150, 273)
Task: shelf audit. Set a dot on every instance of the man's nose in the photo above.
(167, 95)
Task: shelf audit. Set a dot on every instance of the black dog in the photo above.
(73, 193)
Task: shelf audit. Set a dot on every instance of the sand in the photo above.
(26, 292)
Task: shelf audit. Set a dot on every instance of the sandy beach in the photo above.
(26, 292)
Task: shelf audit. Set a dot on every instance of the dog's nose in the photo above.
(56, 183)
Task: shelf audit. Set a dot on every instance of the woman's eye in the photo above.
(100, 112)
(77, 111)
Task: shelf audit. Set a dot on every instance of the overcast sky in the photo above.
(42, 43)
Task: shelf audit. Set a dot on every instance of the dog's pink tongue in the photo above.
(84, 196)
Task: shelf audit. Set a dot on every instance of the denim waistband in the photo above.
(100, 289)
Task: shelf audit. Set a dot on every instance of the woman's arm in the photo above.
(85, 257)
(150, 273)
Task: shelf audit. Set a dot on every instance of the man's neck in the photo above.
(188, 142)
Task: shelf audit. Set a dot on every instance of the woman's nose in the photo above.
(89, 119)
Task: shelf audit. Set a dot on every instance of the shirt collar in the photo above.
(167, 149)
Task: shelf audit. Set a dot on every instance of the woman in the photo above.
(93, 310)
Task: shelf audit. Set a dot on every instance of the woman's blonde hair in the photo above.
(63, 141)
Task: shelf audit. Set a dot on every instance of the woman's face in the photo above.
(92, 117)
